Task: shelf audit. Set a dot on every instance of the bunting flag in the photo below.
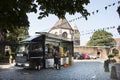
(105, 7)
(97, 11)
(92, 31)
(93, 12)
(113, 4)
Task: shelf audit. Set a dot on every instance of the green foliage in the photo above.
(18, 34)
(12, 53)
(61, 7)
(101, 38)
(118, 10)
(13, 13)
(11, 57)
(0, 56)
(111, 55)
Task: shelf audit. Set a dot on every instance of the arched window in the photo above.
(64, 34)
(56, 33)
(115, 51)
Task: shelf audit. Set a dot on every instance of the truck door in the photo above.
(36, 55)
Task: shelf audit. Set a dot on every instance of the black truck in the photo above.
(37, 51)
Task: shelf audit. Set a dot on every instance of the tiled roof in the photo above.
(62, 24)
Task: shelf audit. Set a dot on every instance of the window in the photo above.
(56, 33)
(64, 34)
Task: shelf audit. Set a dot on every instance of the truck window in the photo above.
(37, 47)
(36, 50)
(22, 48)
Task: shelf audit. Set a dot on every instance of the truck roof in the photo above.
(48, 35)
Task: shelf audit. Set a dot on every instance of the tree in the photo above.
(13, 13)
(61, 7)
(101, 38)
(13, 38)
(118, 10)
(17, 35)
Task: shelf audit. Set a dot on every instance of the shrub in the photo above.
(110, 55)
(1, 56)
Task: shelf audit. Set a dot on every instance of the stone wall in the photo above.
(93, 50)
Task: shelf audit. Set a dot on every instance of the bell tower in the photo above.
(76, 34)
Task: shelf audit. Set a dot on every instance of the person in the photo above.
(38, 64)
(57, 60)
(106, 65)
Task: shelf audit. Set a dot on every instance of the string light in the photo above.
(93, 12)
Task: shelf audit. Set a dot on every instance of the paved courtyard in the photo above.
(81, 70)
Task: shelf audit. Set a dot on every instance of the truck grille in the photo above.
(20, 59)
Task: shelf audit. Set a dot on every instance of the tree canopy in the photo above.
(61, 7)
(13, 13)
(118, 10)
(101, 38)
(18, 35)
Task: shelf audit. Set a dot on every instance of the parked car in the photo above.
(92, 56)
(85, 56)
(77, 55)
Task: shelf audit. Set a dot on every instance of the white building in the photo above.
(63, 28)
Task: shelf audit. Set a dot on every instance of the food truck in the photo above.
(39, 49)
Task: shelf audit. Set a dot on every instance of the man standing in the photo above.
(57, 59)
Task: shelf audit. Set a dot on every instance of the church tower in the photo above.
(76, 35)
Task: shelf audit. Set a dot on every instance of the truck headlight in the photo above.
(26, 64)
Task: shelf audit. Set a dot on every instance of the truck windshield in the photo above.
(22, 48)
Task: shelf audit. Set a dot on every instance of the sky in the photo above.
(100, 18)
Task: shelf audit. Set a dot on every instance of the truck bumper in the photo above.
(22, 64)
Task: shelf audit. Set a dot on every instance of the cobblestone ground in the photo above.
(81, 70)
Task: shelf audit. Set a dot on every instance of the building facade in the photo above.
(76, 35)
(63, 28)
